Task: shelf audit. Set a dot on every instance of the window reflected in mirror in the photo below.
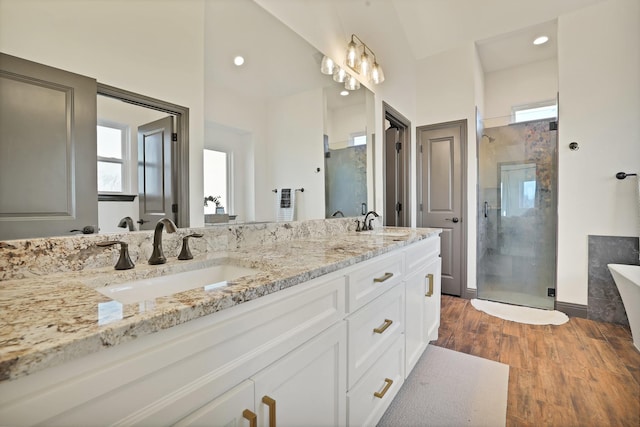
(216, 182)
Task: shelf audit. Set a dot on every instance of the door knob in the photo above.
(141, 221)
(454, 219)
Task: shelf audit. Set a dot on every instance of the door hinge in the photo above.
(551, 292)
(553, 125)
(398, 146)
(421, 148)
(174, 137)
(398, 207)
(420, 207)
(174, 208)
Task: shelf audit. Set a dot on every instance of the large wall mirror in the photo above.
(282, 124)
(274, 119)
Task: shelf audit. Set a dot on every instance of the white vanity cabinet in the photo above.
(332, 351)
(305, 387)
(422, 281)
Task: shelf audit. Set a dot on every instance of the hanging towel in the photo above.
(286, 205)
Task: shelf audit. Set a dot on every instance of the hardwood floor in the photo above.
(582, 373)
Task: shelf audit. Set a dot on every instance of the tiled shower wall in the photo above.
(604, 302)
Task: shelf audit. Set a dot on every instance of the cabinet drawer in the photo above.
(373, 329)
(371, 396)
(373, 279)
(421, 253)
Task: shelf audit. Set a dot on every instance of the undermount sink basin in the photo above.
(208, 278)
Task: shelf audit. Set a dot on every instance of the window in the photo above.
(112, 158)
(359, 138)
(537, 111)
(216, 181)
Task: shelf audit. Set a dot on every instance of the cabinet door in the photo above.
(307, 386)
(432, 299)
(415, 323)
(232, 409)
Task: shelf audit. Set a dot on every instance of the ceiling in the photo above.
(502, 29)
(279, 62)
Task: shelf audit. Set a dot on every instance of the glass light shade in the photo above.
(352, 55)
(327, 66)
(351, 83)
(365, 65)
(377, 76)
(339, 75)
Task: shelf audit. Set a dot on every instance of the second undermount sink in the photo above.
(208, 278)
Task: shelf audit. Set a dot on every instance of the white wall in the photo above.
(296, 150)
(122, 44)
(447, 91)
(599, 84)
(525, 84)
(344, 122)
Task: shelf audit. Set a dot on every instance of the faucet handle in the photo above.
(124, 262)
(370, 226)
(185, 253)
(358, 225)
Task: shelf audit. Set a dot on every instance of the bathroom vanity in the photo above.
(324, 332)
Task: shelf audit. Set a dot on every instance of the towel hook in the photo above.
(622, 175)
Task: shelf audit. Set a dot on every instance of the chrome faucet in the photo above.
(364, 222)
(157, 257)
(336, 213)
(127, 222)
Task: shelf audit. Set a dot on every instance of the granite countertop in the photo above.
(56, 318)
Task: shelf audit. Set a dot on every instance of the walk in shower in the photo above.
(517, 215)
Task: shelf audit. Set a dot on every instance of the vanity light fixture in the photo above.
(238, 60)
(540, 40)
(339, 75)
(361, 62)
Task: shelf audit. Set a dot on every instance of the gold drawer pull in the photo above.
(430, 292)
(383, 278)
(384, 391)
(253, 419)
(384, 327)
(271, 403)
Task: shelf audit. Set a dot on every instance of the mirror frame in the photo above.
(182, 153)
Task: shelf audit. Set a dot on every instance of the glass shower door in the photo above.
(517, 215)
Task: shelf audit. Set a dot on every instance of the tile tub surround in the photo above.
(50, 319)
(604, 302)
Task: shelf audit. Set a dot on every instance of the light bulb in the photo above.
(352, 55)
(339, 75)
(351, 83)
(327, 66)
(365, 65)
(377, 76)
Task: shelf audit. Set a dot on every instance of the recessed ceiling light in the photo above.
(344, 93)
(238, 60)
(541, 40)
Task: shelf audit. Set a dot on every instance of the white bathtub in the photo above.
(627, 279)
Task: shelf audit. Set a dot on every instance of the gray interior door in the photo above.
(155, 177)
(441, 194)
(48, 179)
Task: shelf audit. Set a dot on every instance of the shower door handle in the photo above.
(454, 219)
